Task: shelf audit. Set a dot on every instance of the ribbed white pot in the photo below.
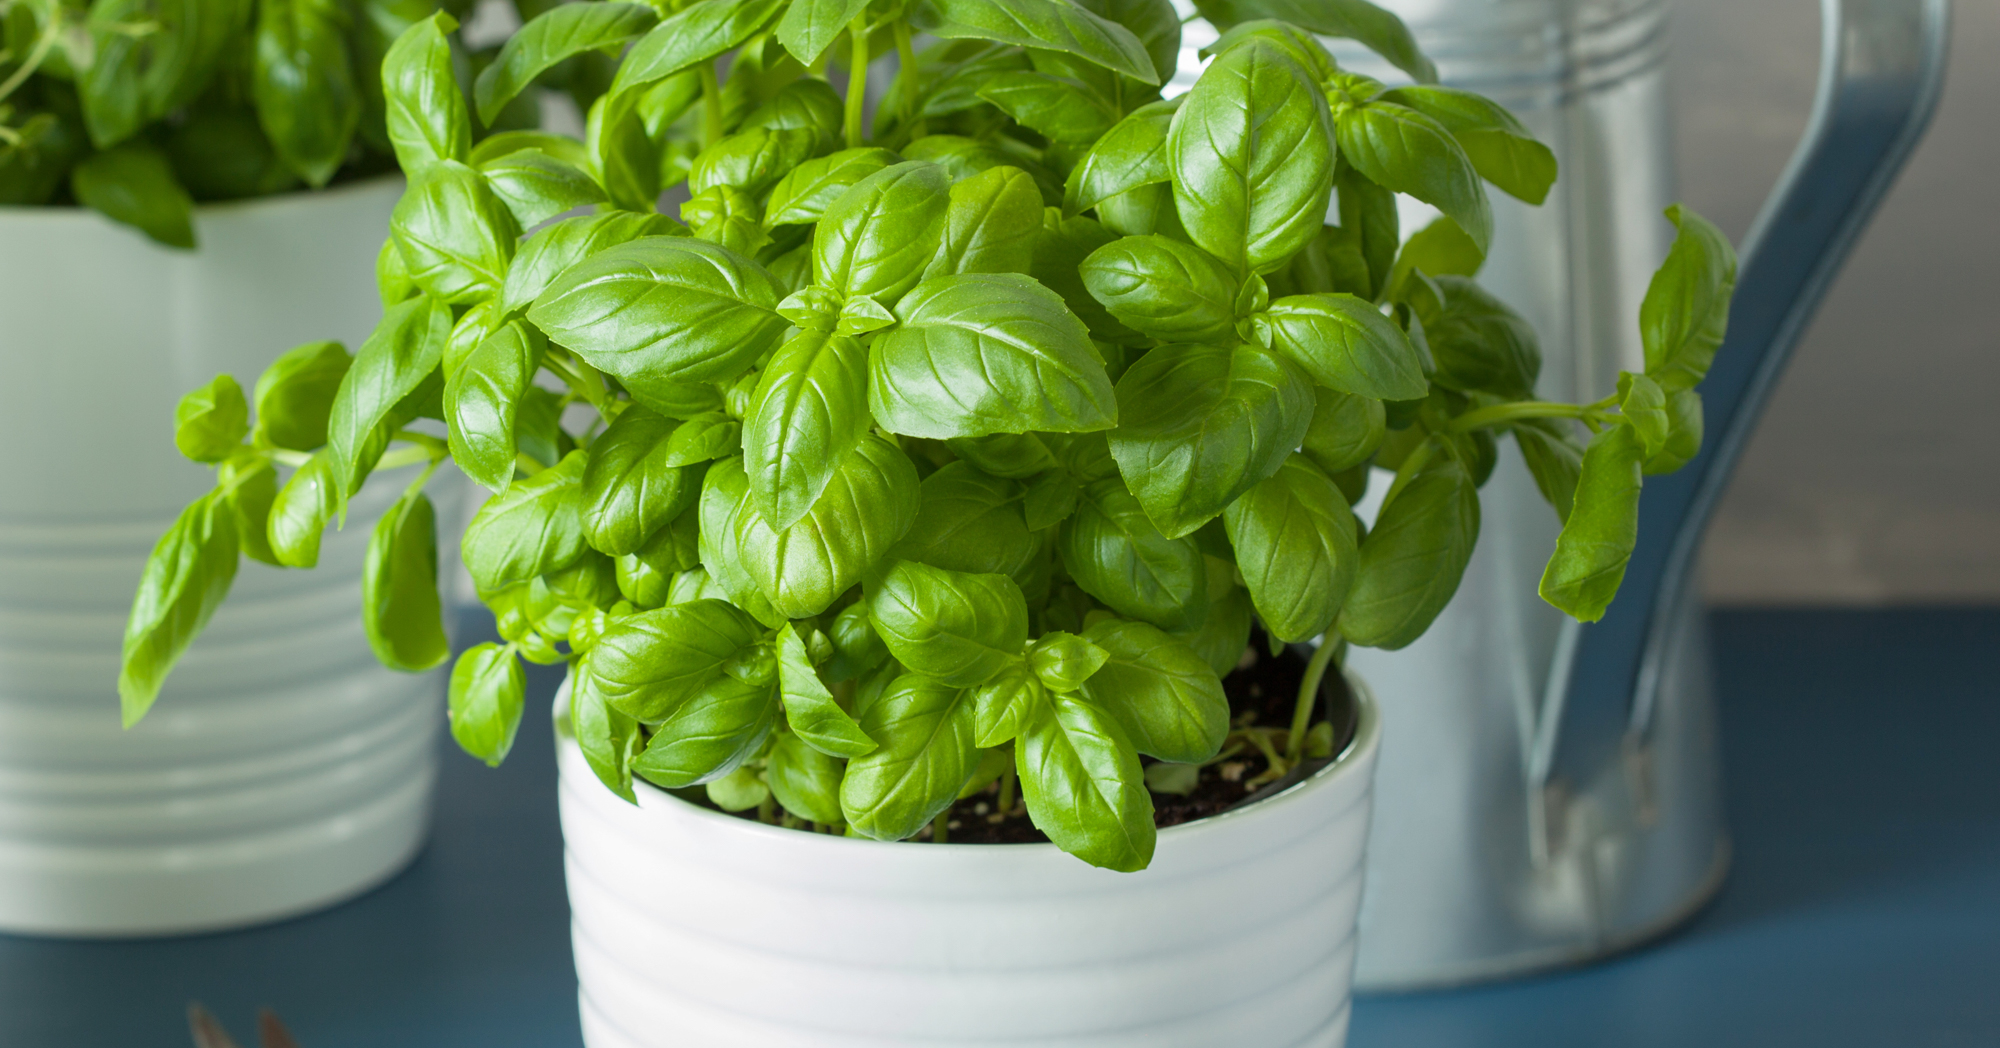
(694, 928)
(282, 769)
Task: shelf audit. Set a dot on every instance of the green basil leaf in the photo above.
(990, 225)
(1064, 661)
(456, 235)
(709, 735)
(970, 522)
(609, 739)
(533, 528)
(1403, 150)
(725, 495)
(295, 394)
(185, 580)
(808, 28)
(303, 508)
(1056, 107)
(1157, 25)
(488, 692)
(694, 34)
(1440, 249)
(1644, 406)
(302, 83)
(545, 255)
(876, 238)
(1050, 499)
(256, 488)
(1686, 309)
(1165, 289)
(536, 186)
(1597, 540)
(630, 491)
(134, 184)
(1345, 344)
(956, 628)
(1084, 787)
(1251, 157)
(1225, 633)
(625, 158)
(983, 353)
(809, 410)
(740, 790)
(1131, 154)
(1113, 551)
(752, 160)
(427, 118)
(211, 421)
(805, 781)
(405, 349)
(1164, 695)
(1553, 459)
(1305, 48)
(646, 577)
(392, 274)
(804, 193)
(1295, 544)
(704, 438)
(1373, 27)
(1047, 24)
(1369, 225)
(482, 402)
(1003, 705)
(1014, 455)
(650, 664)
(1413, 559)
(1346, 429)
(857, 649)
(661, 313)
(1060, 249)
(1479, 343)
(1501, 150)
(809, 708)
(1683, 440)
(1200, 425)
(549, 38)
(926, 755)
(400, 605)
(478, 321)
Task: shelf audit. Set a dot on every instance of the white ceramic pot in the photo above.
(282, 769)
(692, 927)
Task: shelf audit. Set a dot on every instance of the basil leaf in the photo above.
(1223, 635)
(456, 235)
(725, 496)
(1413, 559)
(1164, 695)
(867, 506)
(1001, 706)
(1164, 289)
(661, 313)
(401, 609)
(1050, 499)
(1064, 661)
(650, 664)
(404, 349)
(211, 421)
(185, 580)
(549, 38)
(1131, 154)
(709, 735)
(1439, 249)
(1346, 429)
(804, 193)
(1048, 24)
(1114, 553)
(426, 113)
(739, 790)
(1479, 343)
(1345, 344)
(926, 755)
(1369, 226)
(1084, 787)
(1296, 547)
(1305, 48)
(1056, 107)
(630, 491)
(545, 255)
(1597, 539)
(626, 160)
(990, 225)
(809, 410)
(1501, 150)
(609, 739)
(533, 528)
(805, 781)
(1644, 406)
(752, 160)
(1014, 455)
(295, 394)
(1683, 441)
(133, 184)
(1251, 158)
(694, 34)
(1403, 150)
(256, 488)
(808, 28)
(488, 691)
(1060, 249)
(982, 353)
(1200, 425)
(876, 238)
(483, 400)
(956, 628)
(1686, 309)
(970, 522)
(809, 707)
(1553, 459)
(1155, 22)
(300, 513)
(536, 186)
(302, 83)
(1375, 28)
(646, 577)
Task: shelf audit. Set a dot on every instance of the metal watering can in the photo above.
(1549, 792)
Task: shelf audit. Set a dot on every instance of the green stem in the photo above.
(711, 105)
(1329, 646)
(767, 809)
(906, 56)
(1418, 457)
(1006, 797)
(585, 381)
(1501, 414)
(35, 55)
(528, 466)
(857, 78)
(940, 828)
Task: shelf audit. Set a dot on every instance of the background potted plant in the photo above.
(929, 479)
(293, 770)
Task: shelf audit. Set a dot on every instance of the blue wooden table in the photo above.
(1864, 907)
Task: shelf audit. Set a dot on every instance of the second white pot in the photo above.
(692, 927)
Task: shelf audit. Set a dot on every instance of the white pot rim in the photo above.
(287, 200)
(1356, 755)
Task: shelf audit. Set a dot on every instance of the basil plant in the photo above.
(140, 108)
(958, 436)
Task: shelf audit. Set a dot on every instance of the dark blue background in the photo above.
(1863, 909)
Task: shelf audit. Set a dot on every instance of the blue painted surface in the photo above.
(1864, 907)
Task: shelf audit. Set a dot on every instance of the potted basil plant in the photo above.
(294, 770)
(963, 468)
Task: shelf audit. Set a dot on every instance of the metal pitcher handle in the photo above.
(1882, 66)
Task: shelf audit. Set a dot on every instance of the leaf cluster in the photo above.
(960, 440)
